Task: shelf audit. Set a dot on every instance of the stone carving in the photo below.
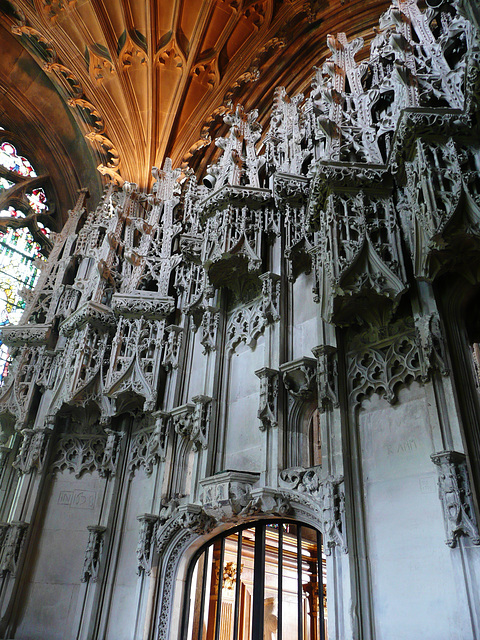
(226, 495)
(148, 445)
(246, 324)
(368, 178)
(93, 553)
(357, 258)
(173, 343)
(431, 344)
(110, 453)
(271, 296)
(146, 535)
(268, 407)
(299, 377)
(209, 327)
(192, 421)
(33, 450)
(333, 514)
(456, 497)
(386, 364)
(327, 376)
(13, 537)
(328, 500)
(239, 163)
(189, 517)
(79, 454)
(5, 452)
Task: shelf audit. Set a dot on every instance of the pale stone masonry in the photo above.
(289, 337)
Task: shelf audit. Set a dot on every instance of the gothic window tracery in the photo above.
(22, 202)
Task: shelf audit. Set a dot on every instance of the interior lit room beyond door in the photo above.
(263, 581)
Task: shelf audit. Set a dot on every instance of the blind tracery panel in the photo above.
(261, 582)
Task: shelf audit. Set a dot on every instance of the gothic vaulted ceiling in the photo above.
(147, 79)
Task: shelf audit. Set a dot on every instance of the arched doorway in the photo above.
(261, 581)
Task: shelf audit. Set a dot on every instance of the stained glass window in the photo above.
(18, 249)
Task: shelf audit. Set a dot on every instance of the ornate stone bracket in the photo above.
(110, 454)
(431, 345)
(12, 539)
(268, 405)
(33, 450)
(93, 553)
(327, 376)
(201, 424)
(328, 498)
(189, 517)
(192, 421)
(148, 523)
(209, 327)
(456, 497)
(225, 495)
(143, 303)
(96, 314)
(172, 346)
(271, 285)
(299, 377)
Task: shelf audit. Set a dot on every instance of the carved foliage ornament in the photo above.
(456, 497)
(328, 500)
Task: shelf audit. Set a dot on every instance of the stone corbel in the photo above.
(271, 285)
(268, 405)
(33, 450)
(299, 377)
(201, 422)
(327, 376)
(182, 419)
(148, 523)
(209, 327)
(110, 454)
(172, 343)
(332, 500)
(456, 497)
(431, 345)
(93, 553)
(13, 539)
(327, 498)
(227, 494)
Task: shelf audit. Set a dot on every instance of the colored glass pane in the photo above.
(18, 249)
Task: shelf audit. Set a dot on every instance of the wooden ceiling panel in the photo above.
(150, 78)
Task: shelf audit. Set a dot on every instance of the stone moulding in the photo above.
(93, 313)
(141, 303)
(34, 334)
(230, 194)
(225, 495)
